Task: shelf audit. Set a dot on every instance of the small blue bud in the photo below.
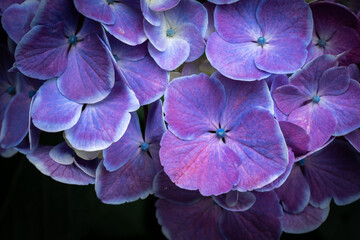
(170, 32)
(321, 43)
(316, 99)
(11, 90)
(261, 41)
(72, 39)
(144, 146)
(220, 133)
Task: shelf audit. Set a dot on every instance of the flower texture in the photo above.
(260, 37)
(152, 9)
(214, 142)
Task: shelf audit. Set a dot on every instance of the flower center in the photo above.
(261, 41)
(170, 32)
(220, 133)
(110, 1)
(301, 162)
(116, 57)
(31, 93)
(316, 99)
(72, 39)
(144, 146)
(321, 43)
(11, 90)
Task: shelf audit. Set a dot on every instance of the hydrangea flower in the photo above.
(186, 214)
(151, 9)
(63, 165)
(335, 30)
(214, 142)
(16, 19)
(55, 47)
(180, 36)
(130, 164)
(122, 19)
(88, 127)
(139, 71)
(260, 37)
(322, 99)
(331, 173)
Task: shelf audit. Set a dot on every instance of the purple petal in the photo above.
(318, 122)
(69, 174)
(192, 35)
(195, 221)
(31, 142)
(306, 221)
(295, 137)
(16, 19)
(89, 75)
(236, 23)
(261, 221)
(289, 98)
(176, 53)
(162, 5)
(235, 201)
(241, 96)
(345, 108)
(307, 79)
(105, 122)
(15, 125)
(42, 52)
(294, 194)
(154, 18)
(128, 26)
(236, 60)
(157, 34)
(354, 72)
(312, 151)
(189, 109)
(145, 78)
(333, 173)
(51, 111)
(62, 154)
(334, 81)
(263, 152)
(354, 139)
(128, 183)
(87, 166)
(4, 4)
(164, 188)
(126, 52)
(98, 10)
(195, 164)
(122, 151)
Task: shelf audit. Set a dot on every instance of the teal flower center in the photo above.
(11, 90)
(261, 41)
(321, 43)
(170, 32)
(316, 99)
(73, 39)
(220, 133)
(144, 146)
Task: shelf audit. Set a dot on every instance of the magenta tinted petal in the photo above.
(354, 139)
(333, 173)
(62, 154)
(89, 75)
(260, 222)
(205, 163)
(154, 18)
(334, 81)
(164, 188)
(289, 98)
(241, 96)
(95, 132)
(344, 39)
(236, 60)
(318, 122)
(345, 108)
(189, 109)
(307, 79)
(145, 78)
(70, 174)
(236, 23)
(128, 183)
(51, 111)
(128, 26)
(122, 151)
(263, 152)
(183, 222)
(294, 194)
(98, 10)
(354, 72)
(306, 221)
(42, 52)
(295, 137)
(15, 125)
(235, 201)
(155, 125)
(176, 53)
(16, 19)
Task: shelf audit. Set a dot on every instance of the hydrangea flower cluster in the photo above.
(241, 116)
